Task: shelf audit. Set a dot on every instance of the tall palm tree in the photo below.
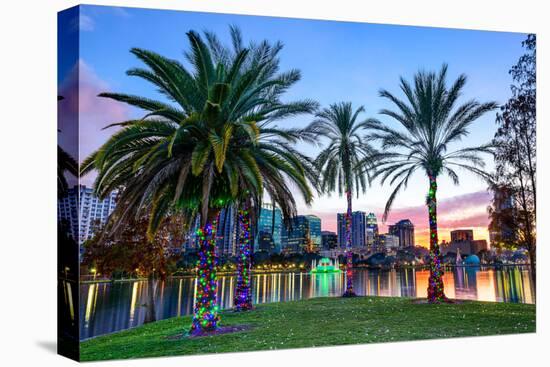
(272, 140)
(432, 122)
(202, 151)
(338, 163)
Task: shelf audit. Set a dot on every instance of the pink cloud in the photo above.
(82, 114)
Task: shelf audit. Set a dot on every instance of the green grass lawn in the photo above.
(318, 322)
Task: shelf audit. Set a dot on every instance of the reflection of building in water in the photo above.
(513, 286)
(407, 280)
(465, 282)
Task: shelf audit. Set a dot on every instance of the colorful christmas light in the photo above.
(205, 315)
(435, 282)
(349, 255)
(243, 294)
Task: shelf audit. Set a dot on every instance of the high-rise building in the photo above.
(226, 232)
(341, 229)
(404, 230)
(372, 231)
(358, 227)
(295, 236)
(304, 230)
(191, 241)
(329, 240)
(389, 241)
(462, 235)
(84, 212)
(271, 222)
(265, 242)
(314, 230)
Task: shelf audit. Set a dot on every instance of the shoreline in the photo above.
(192, 274)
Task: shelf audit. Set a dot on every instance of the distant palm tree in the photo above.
(432, 121)
(204, 151)
(338, 163)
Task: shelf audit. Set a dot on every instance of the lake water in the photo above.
(109, 307)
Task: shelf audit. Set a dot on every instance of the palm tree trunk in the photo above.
(150, 312)
(243, 293)
(435, 283)
(349, 255)
(205, 315)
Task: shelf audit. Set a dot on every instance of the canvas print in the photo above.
(238, 183)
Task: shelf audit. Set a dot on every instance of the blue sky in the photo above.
(339, 61)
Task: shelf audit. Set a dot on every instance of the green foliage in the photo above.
(432, 121)
(339, 164)
(213, 142)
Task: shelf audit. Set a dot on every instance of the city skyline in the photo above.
(483, 56)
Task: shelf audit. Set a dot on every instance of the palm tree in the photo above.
(432, 121)
(203, 151)
(273, 142)
(338, 163)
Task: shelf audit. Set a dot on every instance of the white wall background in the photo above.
(28, 183)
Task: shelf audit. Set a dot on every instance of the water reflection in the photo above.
(109, 307)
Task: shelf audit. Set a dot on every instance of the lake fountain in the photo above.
(325, 265)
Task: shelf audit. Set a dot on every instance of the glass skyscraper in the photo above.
(303, 229)
(265, 224)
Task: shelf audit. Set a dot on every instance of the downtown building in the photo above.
(388, 242)
(329, 240)
(358, 230)
(227, 232)
(303, 230)
(462, 240)
(404, 230)
(84, 213)
(372, 231)
(269, 236)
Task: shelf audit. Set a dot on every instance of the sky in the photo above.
(339, 61)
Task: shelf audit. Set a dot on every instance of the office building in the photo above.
(372, 230)
(84, 212)
(462, 235)
(404, 230)
(271, 221)
(226, 232)
(303, 233)
(358, 230)
(314, 230)
(265, 242)
(329, 240)
(389, 241)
